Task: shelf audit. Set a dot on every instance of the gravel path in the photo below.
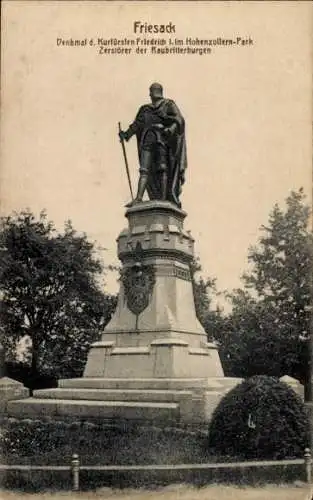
(175, 492)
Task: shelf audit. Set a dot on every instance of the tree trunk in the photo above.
(2, 361)
(34, 367)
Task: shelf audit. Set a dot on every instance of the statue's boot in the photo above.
(142, 184)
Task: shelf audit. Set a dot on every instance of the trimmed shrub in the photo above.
(261, 418)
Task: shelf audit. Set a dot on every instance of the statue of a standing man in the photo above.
(160, 131)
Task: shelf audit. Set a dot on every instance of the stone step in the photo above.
(137, 395)
(150, 384)
(129, 410)
(228, 382)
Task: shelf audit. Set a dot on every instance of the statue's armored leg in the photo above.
(145, 163)
(142, 184)
(146, 158)
(163, 172)
(164, 184)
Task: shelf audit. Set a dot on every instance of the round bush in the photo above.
(261, 418)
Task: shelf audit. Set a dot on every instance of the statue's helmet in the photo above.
(156, 90)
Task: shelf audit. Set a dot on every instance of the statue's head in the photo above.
(156, 91)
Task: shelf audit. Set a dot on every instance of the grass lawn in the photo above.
(175, 492)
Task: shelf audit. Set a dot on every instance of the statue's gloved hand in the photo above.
(170, 130)
(124, 136)
(167, 132)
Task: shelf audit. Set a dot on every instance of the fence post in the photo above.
(75, 471)
(308, 465)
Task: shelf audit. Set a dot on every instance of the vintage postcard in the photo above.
(226, 88)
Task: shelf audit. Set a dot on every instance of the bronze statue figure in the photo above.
(160, 131)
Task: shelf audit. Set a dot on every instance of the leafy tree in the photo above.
(50, 292)
(267, 331)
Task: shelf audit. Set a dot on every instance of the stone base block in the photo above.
(132, 395)
(10, 389)
(173, 401)
(164, 357)
(149, 384)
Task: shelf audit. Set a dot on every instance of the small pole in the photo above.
(308, 465)
(75, 471)
(126, 162)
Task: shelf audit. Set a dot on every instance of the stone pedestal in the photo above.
(10, 390)
(163, 339)
(153, 362)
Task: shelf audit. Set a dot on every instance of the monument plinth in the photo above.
(154, 331)
(153, 362)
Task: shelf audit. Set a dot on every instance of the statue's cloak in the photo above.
(167, 114)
